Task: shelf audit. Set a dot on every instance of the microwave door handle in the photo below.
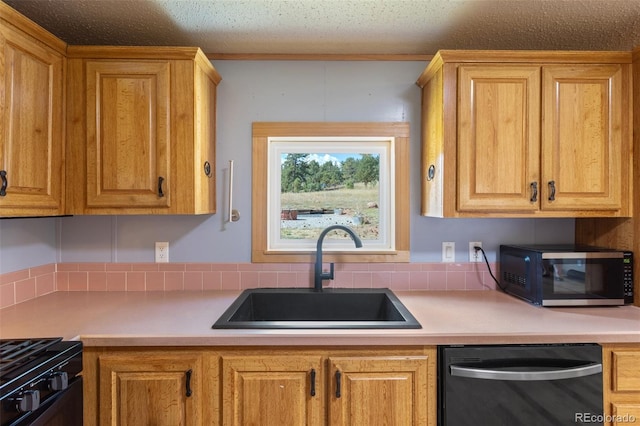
(555, 374)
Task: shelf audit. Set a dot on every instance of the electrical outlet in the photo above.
(162, 252)
(475, 255)
(448, 251)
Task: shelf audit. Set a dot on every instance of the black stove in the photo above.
(35, 376)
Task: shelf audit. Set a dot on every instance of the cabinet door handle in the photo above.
(534, 192)
(3, 188)
(188, 374)
(338, 383)
(552, 189)
(313, 382)
(160, 181)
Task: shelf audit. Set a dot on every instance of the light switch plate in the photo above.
(448, 252)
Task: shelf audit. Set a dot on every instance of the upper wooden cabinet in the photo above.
(141, 130)
(32, 63)
(522, 134)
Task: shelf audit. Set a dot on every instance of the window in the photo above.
(307, 176)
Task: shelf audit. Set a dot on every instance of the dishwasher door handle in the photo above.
(553, 374)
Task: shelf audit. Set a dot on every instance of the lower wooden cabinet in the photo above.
(621, 380)
(272, 389)
(260, 386)
(160, 387)
(379, 390)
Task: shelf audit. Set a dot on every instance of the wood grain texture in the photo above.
(146, 114)
(32, 126)
(259, 385)
(432, 128)
(621, 380)
(272, 390)
(24, 24)
(498, 137)
(626, 370)
(132, 52)
(128, 134)
(133, 386)
(536, 56)
(380, 390)
(506, 138)
(622, 233)
(583, 138)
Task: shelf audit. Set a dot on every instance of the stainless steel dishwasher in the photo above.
(524, 385)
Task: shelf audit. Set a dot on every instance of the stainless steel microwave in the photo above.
(567, 275)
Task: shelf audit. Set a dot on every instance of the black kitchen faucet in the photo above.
(319, 276)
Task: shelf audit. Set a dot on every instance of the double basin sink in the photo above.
(298, 308)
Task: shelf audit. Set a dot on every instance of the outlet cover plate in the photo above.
(475, 256)
(162, 252)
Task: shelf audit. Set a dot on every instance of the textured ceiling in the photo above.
(342, 26)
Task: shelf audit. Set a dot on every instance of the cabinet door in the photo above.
(128, 134)
(625, 365)
(31, 137)
(379, 391)
(498, 137)
(621, 380)
(582, 137)
(272, 390)
(624, 413)
(150, 389)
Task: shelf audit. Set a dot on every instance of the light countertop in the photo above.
(184, 318)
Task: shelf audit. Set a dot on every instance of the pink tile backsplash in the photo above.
(26, 284)
(193, 280)
(78, 281)
(211, 281)
(45, 284)
(25, 290)
(7, 295)
(135, 281)
(97, 281)
(19, 286)
(116, 281)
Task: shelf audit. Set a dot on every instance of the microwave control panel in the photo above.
(628, 277)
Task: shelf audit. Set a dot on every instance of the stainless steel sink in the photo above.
(306, 308)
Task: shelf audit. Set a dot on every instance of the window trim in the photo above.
(262, 131)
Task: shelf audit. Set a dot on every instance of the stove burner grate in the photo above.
(18, 352)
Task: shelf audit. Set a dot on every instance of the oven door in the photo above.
(582, 278)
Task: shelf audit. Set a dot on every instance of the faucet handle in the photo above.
(328, 275)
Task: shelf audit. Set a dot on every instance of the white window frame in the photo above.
(383, 146)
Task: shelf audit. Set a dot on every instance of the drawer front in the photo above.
(626, 371)
(625, 413)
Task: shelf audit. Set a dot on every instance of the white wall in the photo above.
(28, 242)
(276, 91)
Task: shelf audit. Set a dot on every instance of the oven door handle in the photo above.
(552, 374)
